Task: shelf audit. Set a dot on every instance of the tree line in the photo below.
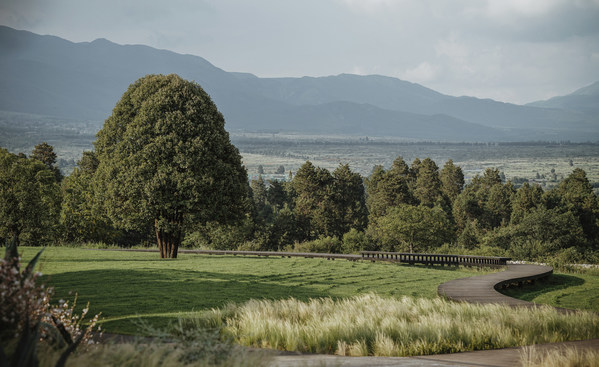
(164, 172)
(408, 208)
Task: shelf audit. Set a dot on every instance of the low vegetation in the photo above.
(125, 286)
(373, 325)
(28, 320)
(297, 304)
(566, 357)
(578, 291)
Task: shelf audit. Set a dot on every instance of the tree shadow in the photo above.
(121, 293)
(540, 287)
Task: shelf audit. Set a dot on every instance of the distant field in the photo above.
(21, 132)
(533, 161)
(124, 285)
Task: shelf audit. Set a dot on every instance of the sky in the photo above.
(515, 51)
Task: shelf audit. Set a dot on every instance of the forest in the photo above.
(416, 207)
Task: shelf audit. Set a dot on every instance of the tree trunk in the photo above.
(168, 242)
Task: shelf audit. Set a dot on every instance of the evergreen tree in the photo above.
(166, 160)
(526, 198)
(350, 201)
(313, 202)
(428, 185)
(498, 206)
(452, 180)
(259, 195)
(400, 167)
(577, 196)
(386, 189)
(44, 153)
(491, 177)
(277, 195)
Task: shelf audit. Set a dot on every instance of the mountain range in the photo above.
(50, 76)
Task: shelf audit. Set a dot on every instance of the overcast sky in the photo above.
(509, 50)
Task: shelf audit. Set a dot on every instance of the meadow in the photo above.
(125, 286)
(305, 305)
(572, 291)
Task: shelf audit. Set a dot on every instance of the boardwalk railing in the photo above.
(400, 257)
(434, 259)
(274, 253)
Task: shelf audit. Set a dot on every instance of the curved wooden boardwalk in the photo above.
(478, 289)
(483, 289)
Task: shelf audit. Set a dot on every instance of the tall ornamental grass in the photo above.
(567, 357)
(373, 325)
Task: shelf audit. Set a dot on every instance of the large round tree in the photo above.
(166, 160)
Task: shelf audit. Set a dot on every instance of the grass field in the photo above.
(123, 285)
(574, 291)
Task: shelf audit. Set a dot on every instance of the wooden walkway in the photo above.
(478, 289)
(373, 256)
(395, 257)
(483, 289)
(307, 255)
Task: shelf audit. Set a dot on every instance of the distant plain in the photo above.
(527, 160)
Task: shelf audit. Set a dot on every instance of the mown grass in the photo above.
(127, 285)
(373, 325)
(573, 291)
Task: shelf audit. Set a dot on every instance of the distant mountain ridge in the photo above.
(47, 75)
(585, 100)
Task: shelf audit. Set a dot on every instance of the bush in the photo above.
(219, 237)
(21, 298)
(328, 245)
(355, 241)
(28, 318)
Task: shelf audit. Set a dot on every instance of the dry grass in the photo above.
(150, 355)
(569, 357)
(372, 325)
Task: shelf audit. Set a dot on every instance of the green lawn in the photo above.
(574, 291)
(124, 285)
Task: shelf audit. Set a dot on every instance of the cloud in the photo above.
(534, 20)
(514, 50)
(370, 6)
(424, 72)
(528, 8)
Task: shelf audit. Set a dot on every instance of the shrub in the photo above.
(355, 241)
(21, 298)
(329, 245)
(26, 316)
(183, 344)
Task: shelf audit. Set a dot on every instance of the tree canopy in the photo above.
(29, 199)
(165, 159)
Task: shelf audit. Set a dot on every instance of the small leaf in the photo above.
(29, 269)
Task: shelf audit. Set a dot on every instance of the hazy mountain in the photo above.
(50, 76)
(584, 100)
